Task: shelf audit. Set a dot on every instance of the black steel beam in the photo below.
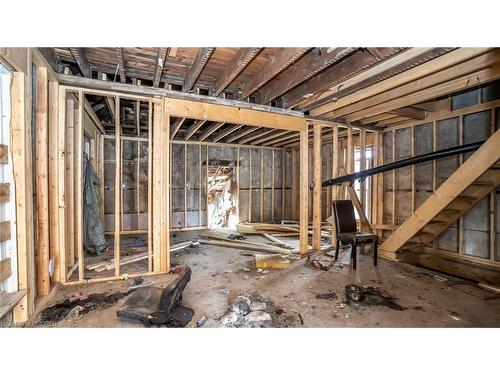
(350, 178)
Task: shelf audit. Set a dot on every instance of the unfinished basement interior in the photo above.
(248, 187)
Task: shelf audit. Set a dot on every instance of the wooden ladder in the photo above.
(472, 181)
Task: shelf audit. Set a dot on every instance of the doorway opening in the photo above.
(222, 195)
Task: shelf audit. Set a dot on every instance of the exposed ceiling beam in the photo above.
(346, 68)
(176, 126)
(81, 60)
(417, 79)
(231, 128)
(376, 53)
(239, 62)
(383, 72)
(317, 60)
(241, 133)
(411, 112)
(121, 64)
(454, 85)
(275, 134)
(254, 136)
(212, 128)
(197, 67)
(193, 129)
(161, 56)
(50, 55)
(279, 62)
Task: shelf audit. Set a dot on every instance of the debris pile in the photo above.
(77, 305)
(252, 312)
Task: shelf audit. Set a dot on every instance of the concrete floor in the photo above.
(427, 301)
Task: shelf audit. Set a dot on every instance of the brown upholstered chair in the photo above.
(347, 232)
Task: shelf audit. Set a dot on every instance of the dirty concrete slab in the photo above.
(426, 302)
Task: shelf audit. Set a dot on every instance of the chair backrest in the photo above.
(345, 221)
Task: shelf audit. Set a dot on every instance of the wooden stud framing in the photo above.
(42, 184)
(393, 204)
(272, 186)
(71, 178)
(335, 173)
(61, 194)
(21, 160)
(362, 166)
(304, 192)
(150, 187)
(79, 186)
(316, 243)
(261, 186)
(118, 186)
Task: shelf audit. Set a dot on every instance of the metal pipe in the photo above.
(403, 163)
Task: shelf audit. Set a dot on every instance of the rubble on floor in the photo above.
(369, 295)
(252, 312)
(77, 305)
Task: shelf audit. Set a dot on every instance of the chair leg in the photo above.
(337, 249)
(353, 255)
(375, 252)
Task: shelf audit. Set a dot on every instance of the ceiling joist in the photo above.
(197, 67)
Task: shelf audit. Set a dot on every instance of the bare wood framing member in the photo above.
(362, 165)
(61, 183)
(165, 237)
(233, 115)
(304, 192)
(261, 186)
(335, 173)
(272, 186)
(150, 187)
(197, 67)
(294, 184)
(78, 149)
(118, 186)
(316, 243)
(21, 160)
(42, 183)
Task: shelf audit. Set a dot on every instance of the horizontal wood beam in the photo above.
(411, 112)
(314, 62)
(439, 63)
(50, 55)
(341, 71)
(95, 85)
(220, 113)
(279, 62)
(197, 67)
(239, 62)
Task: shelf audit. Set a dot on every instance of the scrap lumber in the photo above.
(257, 228)
(240, 245)
(110, 264)
(272, 261)
(277, 241)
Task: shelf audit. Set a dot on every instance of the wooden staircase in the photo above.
(476, 178)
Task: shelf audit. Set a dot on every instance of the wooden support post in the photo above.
(394, 221)
(413, 182)
(316, 242)
(118, 185)
(335, 173)
(294, 185)
(461, 224)
(185, 185)
(261, 186)
(150, 187)
(199, 185)
(79, 186)
(304, 191)
(165, 232)
(272, 186)
(350, 152)
(250, 186)
(158, 178)
(138, 185)
(362, 166)
(493, 202)
(53, 181)
(61, 183)
(380, 183)
(237, 185)
(42, 183)
(71, 178)
(21, 161)
(283, 182)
